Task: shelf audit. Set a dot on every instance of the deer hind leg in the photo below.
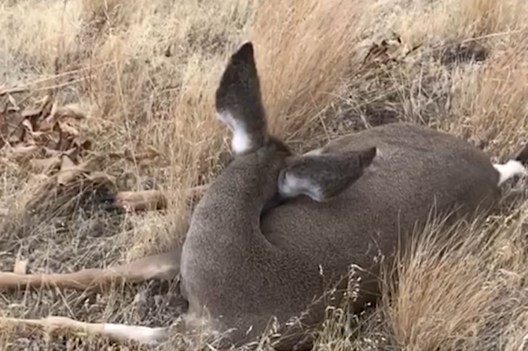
(115, 332)
(162, 266)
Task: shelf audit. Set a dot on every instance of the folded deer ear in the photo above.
(322, 177)
(239, 103)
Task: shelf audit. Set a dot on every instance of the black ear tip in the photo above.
(247, 45)
(244, 53)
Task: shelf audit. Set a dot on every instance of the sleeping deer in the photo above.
(353, 202)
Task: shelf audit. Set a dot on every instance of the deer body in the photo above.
(238, 264)
(244, 267)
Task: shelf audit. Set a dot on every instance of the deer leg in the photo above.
(162, 266)
(114, 332)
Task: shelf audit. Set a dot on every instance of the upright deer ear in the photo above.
(239, 102)
(321, 177)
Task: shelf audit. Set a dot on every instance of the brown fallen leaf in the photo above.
(52, 152)
(69, 111)
(144, 200)
(48, 123)
(29, 134)
(22, 152)
(13, 102)
(68, 171)
(68, 129)
(43, 108)
(45, 165)
(97, 175)
(26, 123)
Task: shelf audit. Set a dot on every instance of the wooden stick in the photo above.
(163, 266)
(115, 332)
(141, 200)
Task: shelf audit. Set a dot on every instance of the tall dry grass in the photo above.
(145, 73)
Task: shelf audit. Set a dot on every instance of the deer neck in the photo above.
(232, 206)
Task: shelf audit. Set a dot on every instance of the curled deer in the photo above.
(276, 230)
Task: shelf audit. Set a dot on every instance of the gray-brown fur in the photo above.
(246, 268)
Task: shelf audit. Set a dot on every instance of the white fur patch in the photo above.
(241, 141)
(509, 170)
(226, 118)
(143, 335)
(314, 152)
(293, 186)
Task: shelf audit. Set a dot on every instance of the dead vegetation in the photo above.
(107, 105)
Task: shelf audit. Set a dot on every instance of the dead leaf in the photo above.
(144, 200)
(67, 163)
(68, 129)
(52, 152)
(68, 171)
(21, 152)
(32, 112)
(45, 165)
(388, 51)
(12, 129)
(69, 111)
(73, 154)
(98, 176)
(48, 123)
(13, 102)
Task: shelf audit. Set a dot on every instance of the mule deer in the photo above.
(358, 197)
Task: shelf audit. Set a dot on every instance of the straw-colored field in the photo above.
(140, 76)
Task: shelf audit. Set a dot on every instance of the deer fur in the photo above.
(354, 202)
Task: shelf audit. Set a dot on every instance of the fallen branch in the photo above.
(145, 200)
(116, 332)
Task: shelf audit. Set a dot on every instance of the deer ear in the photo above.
(322, 177)
(239, 103)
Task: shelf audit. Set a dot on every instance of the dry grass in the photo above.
(145, 73)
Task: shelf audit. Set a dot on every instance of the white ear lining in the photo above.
(241, 141)
(292, 186)
(226, 118)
